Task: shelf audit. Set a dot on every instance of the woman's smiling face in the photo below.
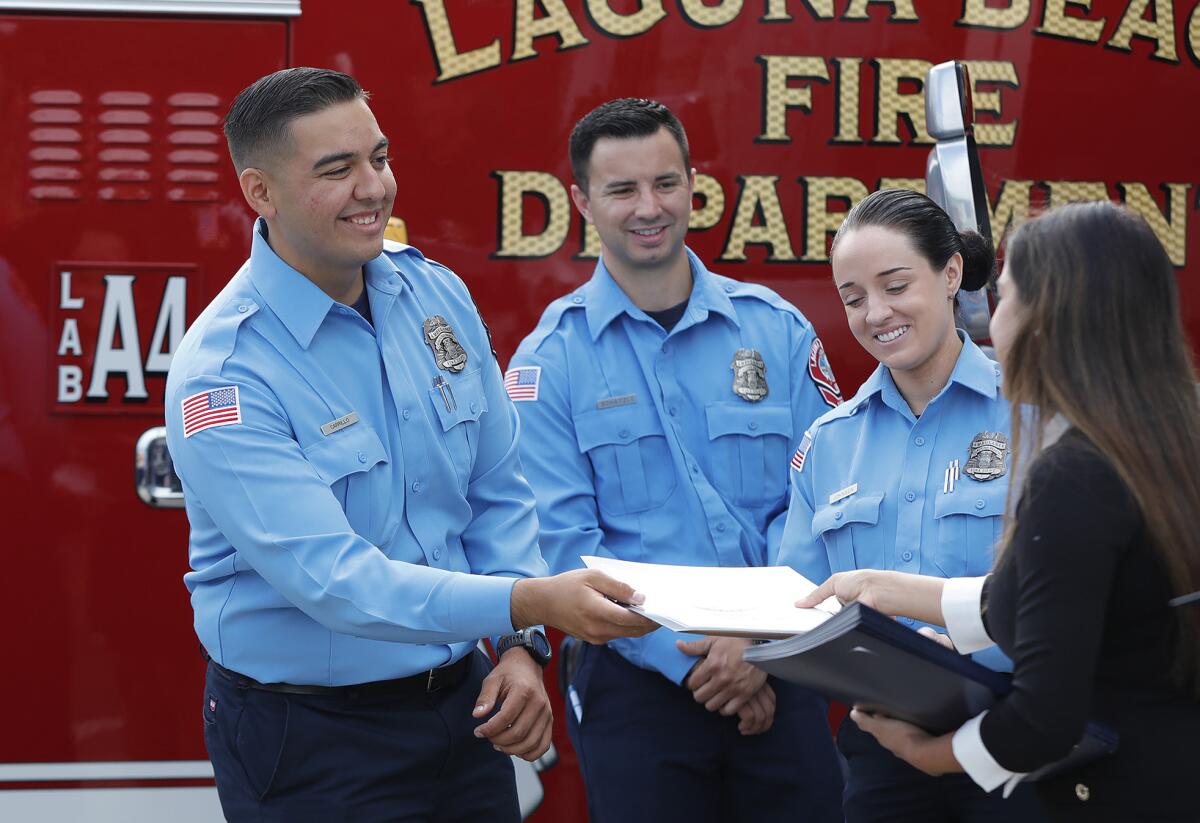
(898, 307)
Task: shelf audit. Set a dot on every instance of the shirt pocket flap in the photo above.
(604, 427)
(864, 509)
(751, 420)
(976, 499)
(356, 448)
(465, 398)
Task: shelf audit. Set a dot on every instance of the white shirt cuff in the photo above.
(961, 597)
(978, 762)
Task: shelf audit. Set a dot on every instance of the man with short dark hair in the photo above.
(358, 514)
(660, 404)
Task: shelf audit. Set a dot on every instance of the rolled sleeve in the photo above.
(961, 609)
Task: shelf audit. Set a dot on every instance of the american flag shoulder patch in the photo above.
(798, 457)
(522, 383)
(212, 408)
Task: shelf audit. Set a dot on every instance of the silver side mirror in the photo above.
(953, 175)
(154, 473)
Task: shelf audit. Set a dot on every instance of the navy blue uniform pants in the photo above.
(649, 752)
(298, 758)
(882, 788)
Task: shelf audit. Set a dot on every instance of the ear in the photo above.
(580, 199)
(257, 191)
(691, 181)
(953, 274)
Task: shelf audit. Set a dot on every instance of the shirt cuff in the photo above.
(961, 597)
(978, 762)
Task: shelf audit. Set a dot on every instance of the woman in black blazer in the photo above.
(1089, 594)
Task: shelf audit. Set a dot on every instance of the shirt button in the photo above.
(243, 308)
(695, 469)
(720, 527)
(837, 515)
(908, 620)
(909, 496)
(624, 435)
(437, 554)
(672, 411)
(664, 348)
(1082, 792)
(728, 289)
(920, 441)
(362, 457)
(474, 408)
(906, 556)
(753, 425)
(406, 414)
(577, 299)
(979, 504)
(416, 486)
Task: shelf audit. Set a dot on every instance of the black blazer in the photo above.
(1079, 602)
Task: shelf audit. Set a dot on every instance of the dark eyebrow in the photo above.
(343, 156)
(883, 273)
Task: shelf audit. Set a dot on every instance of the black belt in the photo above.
(443, 677)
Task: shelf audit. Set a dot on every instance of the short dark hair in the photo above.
(257, 122)
(929, 229)
(622, 118)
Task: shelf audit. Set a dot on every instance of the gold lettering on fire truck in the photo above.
(758, 220)
(1169, 224)
(892, 104)
(848, 130)
(978, 13)
(778, 96)
(711, 206)
(1001, 73)
(625, 25)
(820, 220)
(518, 187)
(452, 63)
(1012, 206)
(1075, 191)
(902, 10)
(1057, 23)
(556, 21)
(916, 184)
(1160, 28)
(711, 16)
(1193, 34)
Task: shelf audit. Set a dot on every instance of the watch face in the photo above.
(540, 644)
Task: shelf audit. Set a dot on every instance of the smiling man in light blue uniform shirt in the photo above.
(358, 514)
(659, 404)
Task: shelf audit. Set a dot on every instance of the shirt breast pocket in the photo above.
(843, 527)
(343, 461)
(631, 461)
(459, 404)
(969, 521)
(749, 449)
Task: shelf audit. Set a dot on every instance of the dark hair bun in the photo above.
(979, 261)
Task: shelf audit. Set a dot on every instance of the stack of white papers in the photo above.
(741, 602)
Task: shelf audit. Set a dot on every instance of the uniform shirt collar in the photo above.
(296, 300)
(605, 300)
(973, 370)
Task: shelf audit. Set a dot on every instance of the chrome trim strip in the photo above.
(221, 8)
(106, 770)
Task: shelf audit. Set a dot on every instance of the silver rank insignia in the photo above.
(749, 375)
(446, 350)
(986, 456)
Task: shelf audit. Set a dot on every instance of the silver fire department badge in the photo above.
(749, 375)
(446, 349)
(986, 456)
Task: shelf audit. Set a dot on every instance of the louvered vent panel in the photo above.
(124, 137)
(56, 137)
(195, 147)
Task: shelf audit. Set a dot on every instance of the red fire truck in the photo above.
(120, 218)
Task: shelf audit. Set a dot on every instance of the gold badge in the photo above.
(446, 350)
(749, 375)
(986, 456)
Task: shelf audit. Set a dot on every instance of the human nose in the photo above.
(370, 185)
(878, 312)
(647, 206)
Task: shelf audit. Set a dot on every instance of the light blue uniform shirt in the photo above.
(872, 492)
(371, 552)
(637, 446)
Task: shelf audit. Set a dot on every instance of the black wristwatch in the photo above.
(532, 640)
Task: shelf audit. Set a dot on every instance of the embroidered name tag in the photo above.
(339, 424)
(613, 402)
(843, 493)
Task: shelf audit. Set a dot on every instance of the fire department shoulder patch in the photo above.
(822, 374)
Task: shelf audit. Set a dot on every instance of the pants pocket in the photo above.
(262, 731)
